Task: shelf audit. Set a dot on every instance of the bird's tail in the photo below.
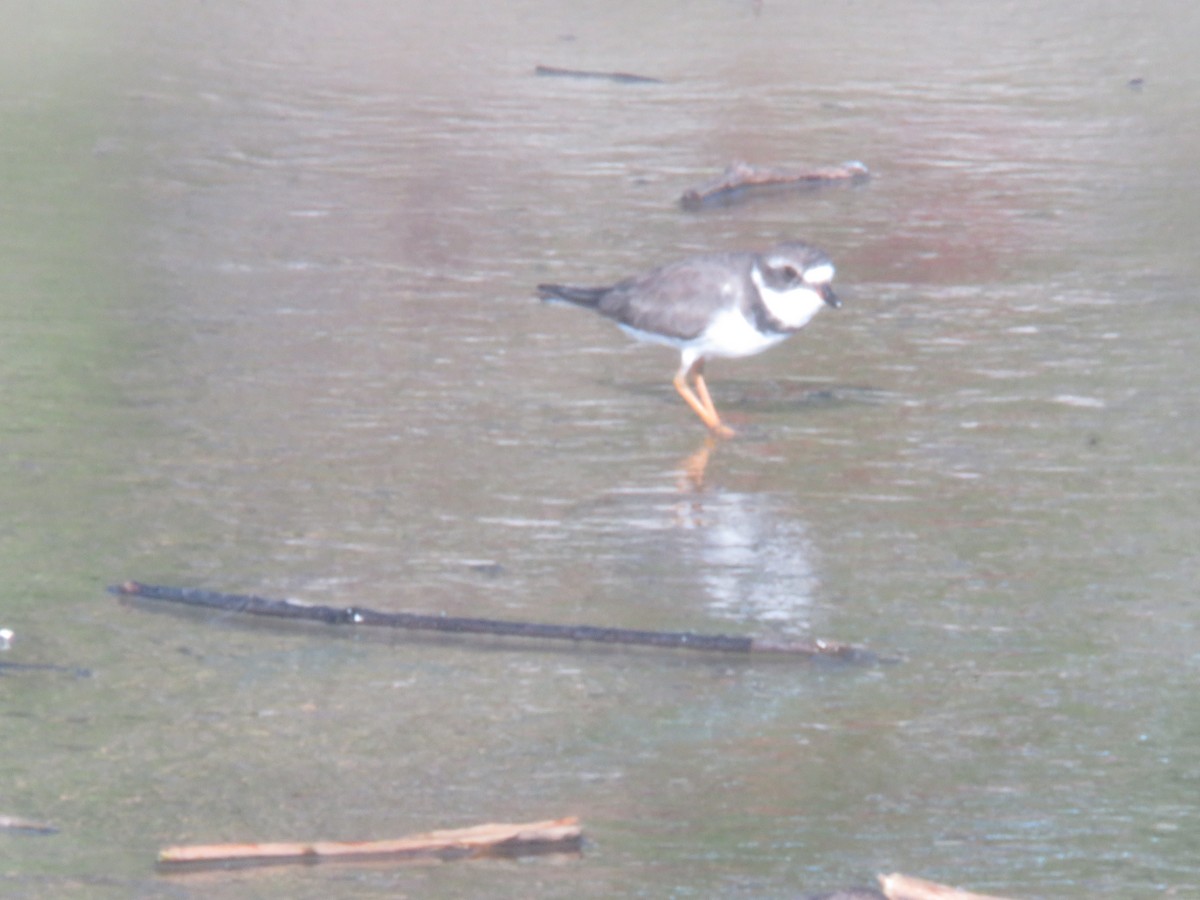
(580, 296)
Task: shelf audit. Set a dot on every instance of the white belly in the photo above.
(730, 334)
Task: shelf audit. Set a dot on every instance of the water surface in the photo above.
(270, 328)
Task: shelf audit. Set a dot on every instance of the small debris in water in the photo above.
(488, 568)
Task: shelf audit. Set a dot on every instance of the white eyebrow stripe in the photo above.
(822, 274)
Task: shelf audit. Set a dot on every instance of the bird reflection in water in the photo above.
(753, 561)
(694, 466)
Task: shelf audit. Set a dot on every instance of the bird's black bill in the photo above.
(830, 297)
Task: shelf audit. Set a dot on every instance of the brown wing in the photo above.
(677, 300)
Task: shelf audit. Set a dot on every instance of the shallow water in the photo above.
(270, 328)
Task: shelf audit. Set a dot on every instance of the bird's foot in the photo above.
(722, 431)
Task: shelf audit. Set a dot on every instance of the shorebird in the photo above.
(717, 304)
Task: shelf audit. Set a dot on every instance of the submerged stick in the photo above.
(493, 839)
(619, 77)
(906, 887)
(6, 666)
(358, 615)
(18, 823)
(741, 177)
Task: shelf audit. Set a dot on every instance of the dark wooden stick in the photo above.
(551, 836)
(358, 615)
(620, 77)
(741, 177)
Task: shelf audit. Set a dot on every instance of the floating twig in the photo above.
(494, 839)
(741, 177)
(906, 887)
(358, 615)
(619, 77)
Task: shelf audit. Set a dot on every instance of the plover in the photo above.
(719, 304)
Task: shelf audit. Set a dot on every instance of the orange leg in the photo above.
(702, 391)
(701, 405)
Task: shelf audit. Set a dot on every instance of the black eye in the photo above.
(790, 274)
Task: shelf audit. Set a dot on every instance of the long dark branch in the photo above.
(358, 615)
